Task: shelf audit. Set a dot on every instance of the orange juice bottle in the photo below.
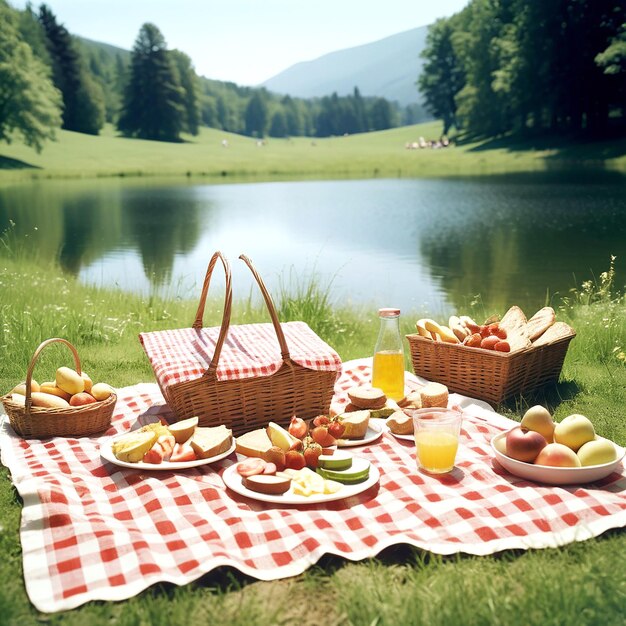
(388, 366)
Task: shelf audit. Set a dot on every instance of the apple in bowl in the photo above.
(524, 445)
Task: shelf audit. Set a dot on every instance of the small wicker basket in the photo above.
(486, 374)
(42, 423)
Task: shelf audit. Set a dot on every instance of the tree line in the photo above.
(49, 78)
(527, 66)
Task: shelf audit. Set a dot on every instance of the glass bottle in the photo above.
(388, 367)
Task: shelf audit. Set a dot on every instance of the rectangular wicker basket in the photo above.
(486, 374)
(251, 402)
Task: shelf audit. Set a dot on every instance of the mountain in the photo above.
(388, 67)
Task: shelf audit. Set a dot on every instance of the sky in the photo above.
(247, 41)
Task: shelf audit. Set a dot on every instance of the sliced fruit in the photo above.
(280, 437)
(267, 483)
(183, 452)
(184, 429)
(131, 447)
(358, 472)
(340, 460)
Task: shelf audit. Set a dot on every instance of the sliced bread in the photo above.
(254, 443)
(434, 394)
(210, 441)
(557, 331)
(514, 322)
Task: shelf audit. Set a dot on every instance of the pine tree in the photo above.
(83, 101)
(256, 115)
(153, 100)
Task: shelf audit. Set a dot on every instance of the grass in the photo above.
(376, 154)
(576, 584)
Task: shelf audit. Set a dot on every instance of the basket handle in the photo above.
(228, 302)
(284, 350)
(33, 362)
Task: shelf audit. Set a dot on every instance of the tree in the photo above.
(153, 100)
(189, 83)
(380, 115)
(278, 127)
(83, 100)
(256, 115)
(442, 76)
(30, 105)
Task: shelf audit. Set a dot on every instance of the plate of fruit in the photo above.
(565, 453)
(338, 475)
(177, 446)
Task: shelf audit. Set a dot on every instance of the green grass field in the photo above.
(577, 584)
(378, 154)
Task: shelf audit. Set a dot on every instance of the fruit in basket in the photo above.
(131, 447)
(557, 455)
(101, 391)
(21, 388)
(70, 381)
(538, 418)
(183, 430)
(573, 431)
(597, 452)
(87, 381)
(51, 388)
(48, 401)
(82, 399)
(524, 445)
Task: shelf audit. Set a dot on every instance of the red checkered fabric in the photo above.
(93, 531)
(249, 350)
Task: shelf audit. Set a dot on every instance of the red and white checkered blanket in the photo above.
(91, 530)
(249, 350)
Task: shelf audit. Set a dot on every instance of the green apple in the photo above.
(573, 431)
(597, 452)
(538, 419)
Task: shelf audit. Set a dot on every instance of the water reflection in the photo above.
(431, 244)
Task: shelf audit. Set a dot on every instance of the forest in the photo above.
(528, 67)
(50, 78)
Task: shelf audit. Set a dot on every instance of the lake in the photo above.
(419, 244)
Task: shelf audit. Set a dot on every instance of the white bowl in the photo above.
(555, 475)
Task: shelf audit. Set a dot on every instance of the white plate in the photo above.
(556, 475)
(375, 429)
(233, 480)
(106, 452)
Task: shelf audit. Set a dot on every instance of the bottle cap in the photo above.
(388, 312)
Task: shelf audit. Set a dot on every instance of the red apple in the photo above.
(523, 444)
(557, 455)
(82, 398)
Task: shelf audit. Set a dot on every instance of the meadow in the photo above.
(581, 583)
(377, 154)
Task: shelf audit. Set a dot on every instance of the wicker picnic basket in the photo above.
(486, 374)
(247, 403)
(40, 423)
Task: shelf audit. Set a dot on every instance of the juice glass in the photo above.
(437, 433)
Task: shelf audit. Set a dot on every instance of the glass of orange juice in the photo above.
(437, 432)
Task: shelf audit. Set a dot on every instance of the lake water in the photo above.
(417, 244)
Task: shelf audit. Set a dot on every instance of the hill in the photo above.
(387, 68)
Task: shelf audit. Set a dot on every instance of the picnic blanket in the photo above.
(91, 530)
